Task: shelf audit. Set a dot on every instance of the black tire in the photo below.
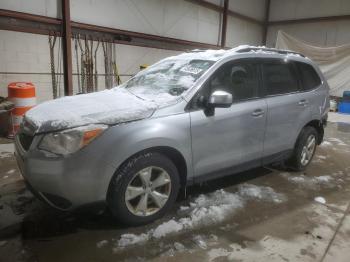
(295, 162)
(116, 194)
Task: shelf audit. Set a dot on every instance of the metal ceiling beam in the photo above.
(224, 24)
(310, 20)
(220, 9)
(67, 48)
(29, 23)
(29, 17)
(266, 21)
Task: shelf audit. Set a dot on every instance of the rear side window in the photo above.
(279, 78)
(309, 78)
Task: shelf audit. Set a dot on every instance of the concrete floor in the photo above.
(284, 216)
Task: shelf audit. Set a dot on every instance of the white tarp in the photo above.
(334, 62)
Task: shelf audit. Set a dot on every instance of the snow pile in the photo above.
(308, 181)
(320, 200)
(104, 107)
(262, 193)
(168, 227)
(205, 210)
(132, 239)
(326, 143)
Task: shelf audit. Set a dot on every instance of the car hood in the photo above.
(105, 107)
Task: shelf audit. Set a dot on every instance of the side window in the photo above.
(279, 78)
(239, 79)
(309, 78)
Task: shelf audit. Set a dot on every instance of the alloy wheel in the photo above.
(148, 191)
(308, 150)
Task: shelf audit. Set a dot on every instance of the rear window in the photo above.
(309, 77)
(279, 78)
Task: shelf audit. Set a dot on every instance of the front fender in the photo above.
(122, 141)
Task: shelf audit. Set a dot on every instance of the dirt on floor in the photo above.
(265, 214)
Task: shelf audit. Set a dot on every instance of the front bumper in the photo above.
(64, 182)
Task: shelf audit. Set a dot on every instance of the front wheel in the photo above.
(304, 150)
(143, 190)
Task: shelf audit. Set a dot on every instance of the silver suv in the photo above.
(184, 120)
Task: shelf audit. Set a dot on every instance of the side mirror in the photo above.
(220, 99)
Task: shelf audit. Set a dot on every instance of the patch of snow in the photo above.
(166, 228)
(321, 157)
(5, 177)
(200, 242)
(320, 200)
(105, 107)
(102, 243)
(323, 179)
(184, 208)
(308, 181)
(326, 143)
(6, 150)
(260, 192)
(205, 210)
(179, 247)
(131, 239)
(11, 171)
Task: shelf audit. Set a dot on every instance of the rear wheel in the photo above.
(144, 189)
(304, 150)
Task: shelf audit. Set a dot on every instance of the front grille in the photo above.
(25, 140)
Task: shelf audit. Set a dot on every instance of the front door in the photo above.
(230, 136)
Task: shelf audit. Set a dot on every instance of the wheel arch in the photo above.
(318, 125)
(173, 154)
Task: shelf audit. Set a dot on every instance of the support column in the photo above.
(266, 21)
(224, 24)
(67, 48)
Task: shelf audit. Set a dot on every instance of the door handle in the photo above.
(303, 102)
(257, 112)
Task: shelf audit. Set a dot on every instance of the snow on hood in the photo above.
(105, 107)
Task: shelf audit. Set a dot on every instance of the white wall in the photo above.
(243, 32)
(28, 54)
(251, 8)
(51, 8)
(320, 33)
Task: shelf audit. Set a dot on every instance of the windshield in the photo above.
(167, 79)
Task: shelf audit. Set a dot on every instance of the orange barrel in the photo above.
(22, 94)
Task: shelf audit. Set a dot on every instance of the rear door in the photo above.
(312, 90)
(286, 107)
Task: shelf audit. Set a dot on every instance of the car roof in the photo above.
(241, 52)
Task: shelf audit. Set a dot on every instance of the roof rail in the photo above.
(275, 50)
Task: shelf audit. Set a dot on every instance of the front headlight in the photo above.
(71, 140)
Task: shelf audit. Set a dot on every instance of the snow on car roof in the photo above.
(215, 55)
